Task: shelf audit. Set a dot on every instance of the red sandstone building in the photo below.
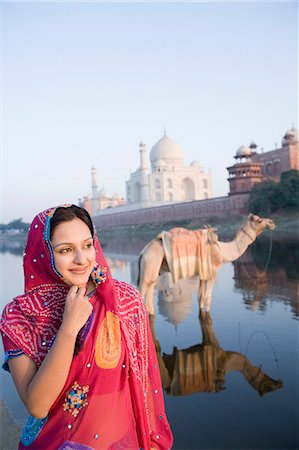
(252, 167)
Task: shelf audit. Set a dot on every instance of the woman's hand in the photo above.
(76, 311)
(36, 387)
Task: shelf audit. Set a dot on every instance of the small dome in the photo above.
(103, 193)
(167, 150)
(243, 152)
(291, 136)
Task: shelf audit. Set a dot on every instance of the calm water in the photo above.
(231, 378)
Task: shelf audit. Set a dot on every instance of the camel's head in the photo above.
(259, 224)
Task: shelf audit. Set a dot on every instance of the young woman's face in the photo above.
(74, 252)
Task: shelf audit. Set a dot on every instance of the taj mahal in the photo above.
(163, 185)
(166, 180)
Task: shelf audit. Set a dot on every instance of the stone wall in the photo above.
(278, 161)
(219, 206)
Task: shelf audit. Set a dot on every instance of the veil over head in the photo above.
(39, 310)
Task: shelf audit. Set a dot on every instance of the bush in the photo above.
(268, 196)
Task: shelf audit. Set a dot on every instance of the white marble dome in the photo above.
(160, 163)
(166, 150)
(243, 152)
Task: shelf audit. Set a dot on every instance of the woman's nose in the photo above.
(79, 257)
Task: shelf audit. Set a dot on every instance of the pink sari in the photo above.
(113, 397)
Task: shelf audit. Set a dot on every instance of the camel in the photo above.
(202, 367)
(152, 259)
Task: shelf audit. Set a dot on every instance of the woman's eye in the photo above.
(66, 250)
(89, 245)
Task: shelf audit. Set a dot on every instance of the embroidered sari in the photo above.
(113, 397)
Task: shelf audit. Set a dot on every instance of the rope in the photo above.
(272, 347)
(270, 253)
(268, 258)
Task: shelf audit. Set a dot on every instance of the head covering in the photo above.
(32, 320)
(39, 311)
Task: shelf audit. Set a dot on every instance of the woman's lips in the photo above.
(79, 271)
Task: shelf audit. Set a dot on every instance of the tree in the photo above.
(268, 196)
(289, 187)
(261, 197)
(16, 224)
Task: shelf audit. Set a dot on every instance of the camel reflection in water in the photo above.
(201, 367)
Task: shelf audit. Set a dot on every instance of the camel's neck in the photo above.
(234, 249)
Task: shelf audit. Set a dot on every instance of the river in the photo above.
(230, 378)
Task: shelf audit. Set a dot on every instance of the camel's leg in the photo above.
(209, 291)
(201, 294)
(150, 264)
(205, 293)
(208, 333)
(149, 299)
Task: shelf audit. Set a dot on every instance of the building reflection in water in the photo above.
(12, 246)
(260, 287)
(175, 299)
(202, 367)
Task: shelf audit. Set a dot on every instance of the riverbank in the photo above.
(9, 431)
(287, 226)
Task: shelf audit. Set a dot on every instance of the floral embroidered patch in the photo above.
(76, 399)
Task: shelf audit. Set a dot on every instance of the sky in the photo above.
(82, 83)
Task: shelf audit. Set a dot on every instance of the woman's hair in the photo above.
(64, 214)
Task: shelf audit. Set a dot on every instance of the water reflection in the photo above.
(282, 254)
(202, 367)
(259, 287)
(280, 282)
(175, 299)
(197, 358)
(13, 246)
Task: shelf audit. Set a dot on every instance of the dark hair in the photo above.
(64, 214)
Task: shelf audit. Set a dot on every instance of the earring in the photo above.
(99, 274)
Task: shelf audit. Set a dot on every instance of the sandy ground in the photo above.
(9, 430)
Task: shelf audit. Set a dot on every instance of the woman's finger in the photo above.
(81, 290)
(73, 289)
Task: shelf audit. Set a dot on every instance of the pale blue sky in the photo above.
(83, 83)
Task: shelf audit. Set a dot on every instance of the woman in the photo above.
(78, 345)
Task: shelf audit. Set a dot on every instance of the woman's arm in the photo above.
(39, 388)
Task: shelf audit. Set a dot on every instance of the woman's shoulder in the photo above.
(128, 296)
(9, 311)
(126, 288)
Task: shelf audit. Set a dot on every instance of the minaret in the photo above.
(94, 190)
(144, 187)
(143, 156)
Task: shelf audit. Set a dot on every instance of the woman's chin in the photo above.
(77, 281)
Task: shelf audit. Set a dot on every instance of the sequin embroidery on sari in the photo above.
(32, 429)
